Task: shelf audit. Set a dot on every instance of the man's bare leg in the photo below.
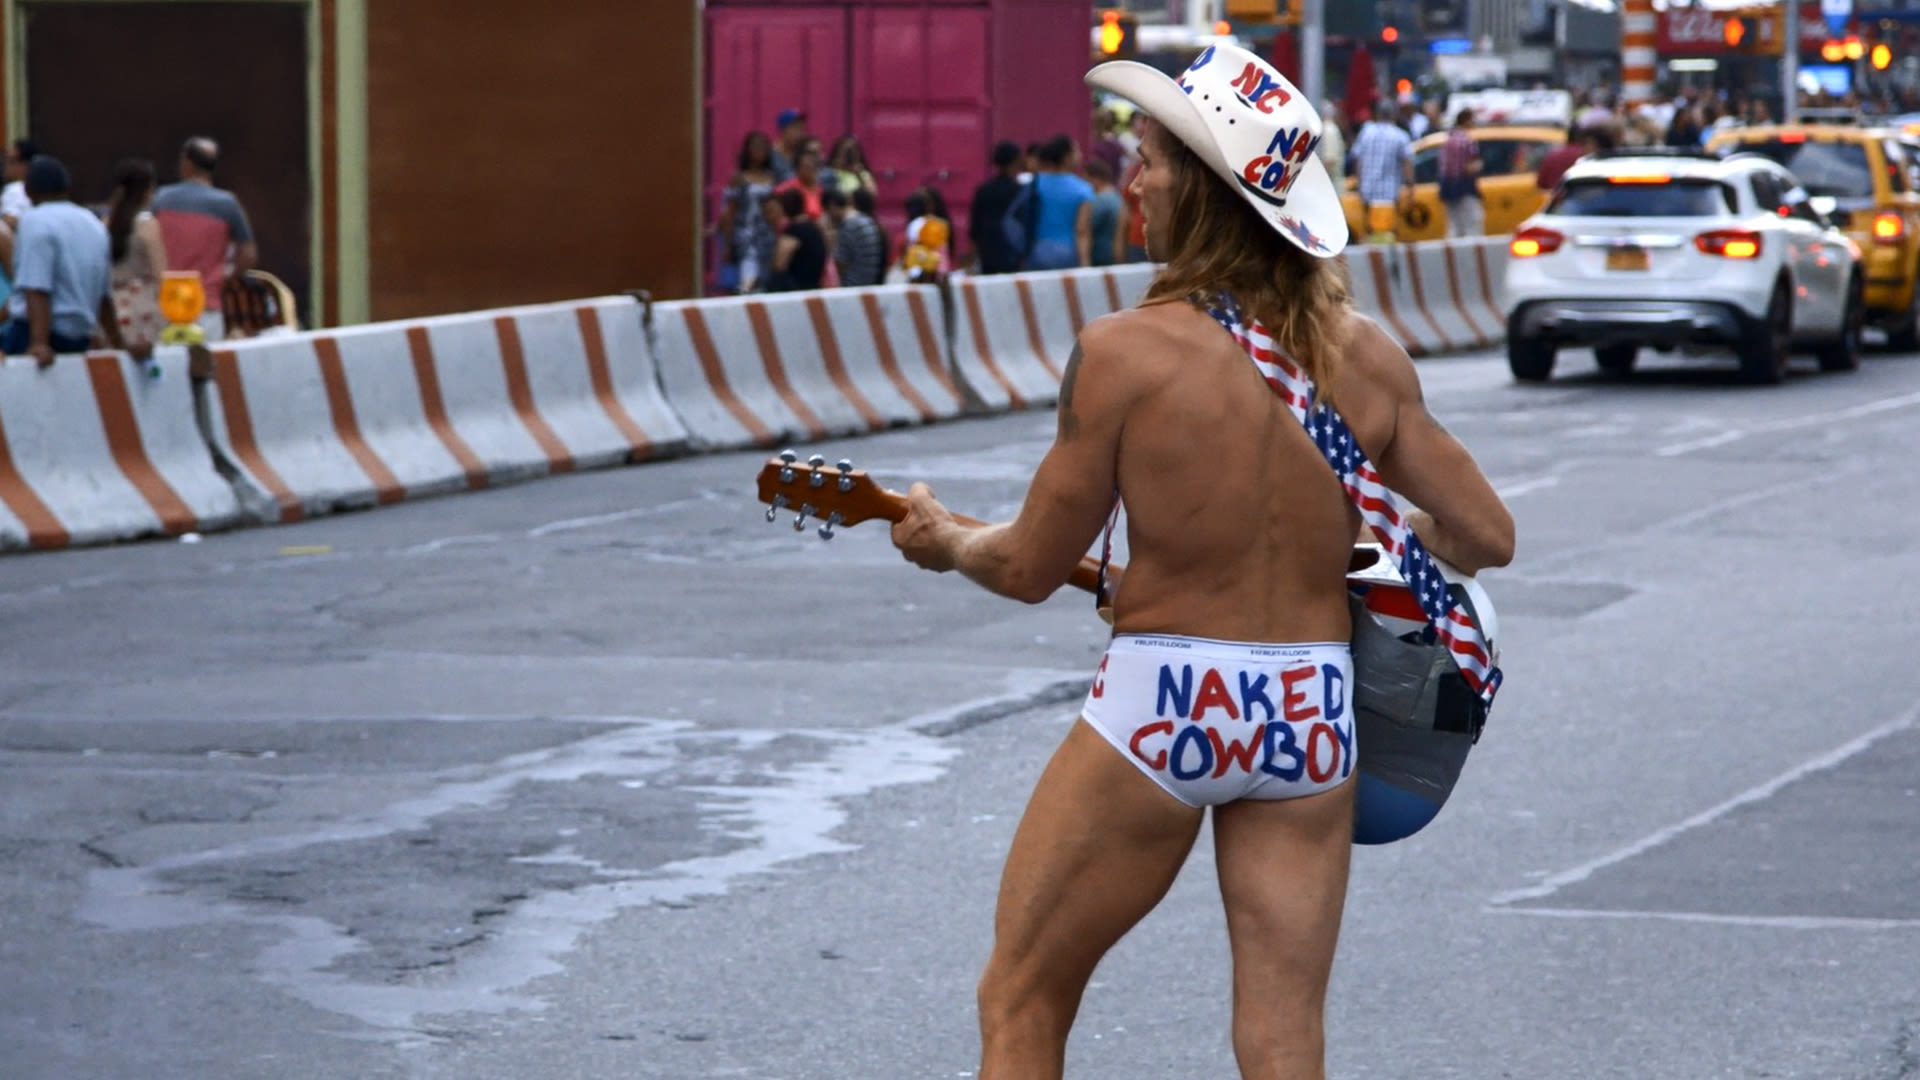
(1283, 879)
(1098, 846)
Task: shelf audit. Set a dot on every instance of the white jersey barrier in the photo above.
(799, 367)
(93, 449)
(374, 414)
(1013, 333)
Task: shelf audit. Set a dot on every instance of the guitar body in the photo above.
(1415, 718)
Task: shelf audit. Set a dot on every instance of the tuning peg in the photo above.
(845, 465)
(800, 519)
(826, 531)
(816, 461)
(779, 503)
(789, 456)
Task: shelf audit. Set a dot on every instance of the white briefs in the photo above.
(1214, 721)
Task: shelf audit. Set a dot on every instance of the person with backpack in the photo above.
(1460, 179)
(1051, 221)
(992, 252)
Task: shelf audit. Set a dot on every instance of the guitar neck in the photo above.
(1085, 576)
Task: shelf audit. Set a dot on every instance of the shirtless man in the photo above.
(1235, 600)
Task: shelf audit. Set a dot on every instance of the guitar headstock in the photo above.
(838, 494)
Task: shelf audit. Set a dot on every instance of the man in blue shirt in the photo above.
(63, 274)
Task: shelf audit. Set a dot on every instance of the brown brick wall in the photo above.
(525, 153)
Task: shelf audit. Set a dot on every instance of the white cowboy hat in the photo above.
(1252, 127)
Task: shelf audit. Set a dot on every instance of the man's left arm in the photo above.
(246, 253)
(1071, 496)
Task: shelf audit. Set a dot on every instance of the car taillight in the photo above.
(1535, 241)
(1729, 243)
(1888, 228)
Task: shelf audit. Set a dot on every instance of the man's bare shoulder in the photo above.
(1374, 364)
(1149, 338)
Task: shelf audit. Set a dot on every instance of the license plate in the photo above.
(1627, 258)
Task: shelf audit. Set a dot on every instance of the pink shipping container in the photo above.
(927, 86)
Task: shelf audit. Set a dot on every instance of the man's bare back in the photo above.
(1237, 528)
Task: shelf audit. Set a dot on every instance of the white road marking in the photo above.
(1580, 873)
(1793, 423)
(1767, 922)
(1516, 488)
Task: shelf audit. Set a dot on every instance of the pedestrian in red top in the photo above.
(205, 229)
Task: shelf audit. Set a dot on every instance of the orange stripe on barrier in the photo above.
(1113, 290)
(513, 361)
(43, 528)
(1481, 339)
(1075, 316)
(717, 378)
(233, 409)
(1486, 288)
(929, 344)
(601, 375)
(109, 379)
(435, 406)
(979, 324)
(1034, 339)
(889, 363)
(1420, 301)
(1383, 291)
(333, 374)
(777, 369)
(837, 366)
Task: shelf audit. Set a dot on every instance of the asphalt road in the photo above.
(603, 776)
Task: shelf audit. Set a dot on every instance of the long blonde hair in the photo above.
(1220, 243)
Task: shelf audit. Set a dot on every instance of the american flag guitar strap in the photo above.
(1450, 620)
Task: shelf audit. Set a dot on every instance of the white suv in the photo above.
(1681, 250)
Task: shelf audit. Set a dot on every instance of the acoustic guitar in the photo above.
(1417, 719)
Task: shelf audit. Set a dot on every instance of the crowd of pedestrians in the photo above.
(795, 215)
(78, 277)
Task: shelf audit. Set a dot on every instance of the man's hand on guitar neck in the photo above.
(928, 534)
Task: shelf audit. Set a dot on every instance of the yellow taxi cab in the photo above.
(1509, 157)
(1865, 180)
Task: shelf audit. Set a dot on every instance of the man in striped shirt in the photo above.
(859, 250)
(1383, 161)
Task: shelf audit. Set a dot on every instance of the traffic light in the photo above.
(1119, 35)
(1390, 35)
(1881, 57)
(1736, 31)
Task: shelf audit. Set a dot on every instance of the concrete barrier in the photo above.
(1431, 278)
(92, 451)
(1490, 267)
(1375, 270)
(374, 414)
(365, 416)
(756, 371)
(1130, 282)
(1012, 338)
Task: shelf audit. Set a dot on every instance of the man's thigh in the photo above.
(1096, 849)
(1283, 879)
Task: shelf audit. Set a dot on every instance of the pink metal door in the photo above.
(761, 60)
(921, 104)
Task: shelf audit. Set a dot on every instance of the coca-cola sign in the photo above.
(1693, 31)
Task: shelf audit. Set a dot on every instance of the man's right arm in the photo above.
(1461, 518)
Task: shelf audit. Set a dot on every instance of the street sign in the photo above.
(1838, 12)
